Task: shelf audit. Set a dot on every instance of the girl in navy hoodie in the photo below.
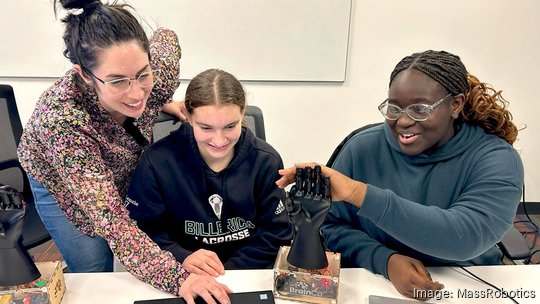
(207, 192)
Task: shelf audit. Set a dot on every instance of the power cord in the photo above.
(528, 261)
(489, 284)
(528, 231)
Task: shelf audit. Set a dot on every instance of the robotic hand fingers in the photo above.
(311, 184)
(12, 211)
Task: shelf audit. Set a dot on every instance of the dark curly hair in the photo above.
(484, 106)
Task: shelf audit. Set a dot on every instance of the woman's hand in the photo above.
(410, 277)
(206, 287)
(177, 109)
(342, 188)
(204, 262)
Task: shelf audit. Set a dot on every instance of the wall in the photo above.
(278, 40)
(498, 40)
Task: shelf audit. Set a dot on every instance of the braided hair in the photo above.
(484, 106)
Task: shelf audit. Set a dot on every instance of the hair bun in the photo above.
(86, 5)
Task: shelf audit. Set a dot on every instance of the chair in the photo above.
(164, 125)
(253, 119)
(335, 154)
(513, 245)
(11, 172)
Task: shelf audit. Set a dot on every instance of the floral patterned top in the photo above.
(73, 147)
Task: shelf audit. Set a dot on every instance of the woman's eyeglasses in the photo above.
(416, 111)
(123, 85)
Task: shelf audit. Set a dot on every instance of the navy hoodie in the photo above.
(176, 199)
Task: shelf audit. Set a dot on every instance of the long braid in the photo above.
(483, 106)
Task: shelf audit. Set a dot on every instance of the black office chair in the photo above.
(11, 172)
(253, 119)
(513, 245)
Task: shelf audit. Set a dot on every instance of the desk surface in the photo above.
(355, 285)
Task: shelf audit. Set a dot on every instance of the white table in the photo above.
(355, 285)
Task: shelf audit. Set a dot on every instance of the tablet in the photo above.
(251, 297)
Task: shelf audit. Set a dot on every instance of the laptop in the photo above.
(373, 299)
(251, 297)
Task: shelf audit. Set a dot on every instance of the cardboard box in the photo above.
(48, 289)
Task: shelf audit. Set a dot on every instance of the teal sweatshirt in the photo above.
(450, 207)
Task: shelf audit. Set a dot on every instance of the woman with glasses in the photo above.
(86, 135)
(437, 184)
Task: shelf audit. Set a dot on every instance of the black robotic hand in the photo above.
(307, 204)
(16, 266)
(12, 211)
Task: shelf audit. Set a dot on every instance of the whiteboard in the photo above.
(258, 40)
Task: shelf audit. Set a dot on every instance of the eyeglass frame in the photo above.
(430, 107)
(151, 72)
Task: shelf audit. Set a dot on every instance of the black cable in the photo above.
(528, 261)
(524, 201)
(528, 230)
(489, 284)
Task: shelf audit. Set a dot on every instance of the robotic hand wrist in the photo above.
(14, 259)
(307, 204)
